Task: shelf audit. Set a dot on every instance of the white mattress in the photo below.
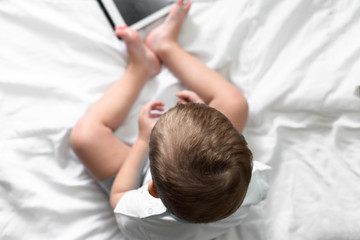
(297, 62)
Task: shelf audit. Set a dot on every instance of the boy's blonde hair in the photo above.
(200, 164)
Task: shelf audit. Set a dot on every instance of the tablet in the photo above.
(134, 13)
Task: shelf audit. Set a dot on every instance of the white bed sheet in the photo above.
(297, 62)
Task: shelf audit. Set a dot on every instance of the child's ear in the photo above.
(152, 189)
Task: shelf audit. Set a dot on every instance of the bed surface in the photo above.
(297, 62)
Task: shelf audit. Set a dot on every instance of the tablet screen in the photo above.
(133, 11)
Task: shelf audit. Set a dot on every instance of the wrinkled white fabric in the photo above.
(296, 61)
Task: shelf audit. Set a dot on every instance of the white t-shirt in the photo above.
(141, 216)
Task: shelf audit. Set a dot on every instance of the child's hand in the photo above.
(147, 118)
(187, 96)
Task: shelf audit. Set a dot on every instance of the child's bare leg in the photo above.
(208, 84)
(92, 138)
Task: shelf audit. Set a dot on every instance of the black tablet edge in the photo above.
(106, 13)
(107, 16)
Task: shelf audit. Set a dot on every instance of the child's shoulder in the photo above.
(259, 184)
(139, 214)
(139, 203)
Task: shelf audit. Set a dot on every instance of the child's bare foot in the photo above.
(140, 56)
(167, 33)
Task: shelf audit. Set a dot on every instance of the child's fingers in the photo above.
(157, 104)
(183, 94)
(182, 101)
(156, 110)
(153, 105)
(188, 96)
(182, 98)
(158, 107)
(155, 115)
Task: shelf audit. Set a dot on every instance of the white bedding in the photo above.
(297, 62)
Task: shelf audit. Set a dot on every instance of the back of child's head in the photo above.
(200, 164)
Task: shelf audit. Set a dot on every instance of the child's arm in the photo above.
(129, 175)
(187, 96)
(208, 84)
(93, 137)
